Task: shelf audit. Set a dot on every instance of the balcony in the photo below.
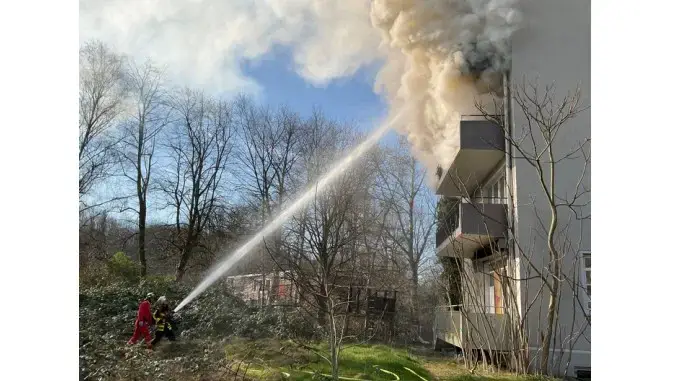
(481, 148)
(472, 330)
(465, 227)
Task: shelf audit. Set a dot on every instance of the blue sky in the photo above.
(346, 99)
(277, 49)
(349, 99)
(263, 48)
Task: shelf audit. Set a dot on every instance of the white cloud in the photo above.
(433, 50)
(203, 42)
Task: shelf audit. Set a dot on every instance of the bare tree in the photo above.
(538, 144)
(322, 261)
(409, 216)
(199, 148)
(270, 150)
(287, 152)
(269, 154)
(140, 132)
(377, 256)
(257, 153)
(102, 93)
(101, 235)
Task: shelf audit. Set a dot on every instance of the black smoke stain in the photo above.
(484, 56)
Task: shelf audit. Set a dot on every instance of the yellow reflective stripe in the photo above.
(160, 322)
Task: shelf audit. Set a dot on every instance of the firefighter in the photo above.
(144, 321)
(163, 325)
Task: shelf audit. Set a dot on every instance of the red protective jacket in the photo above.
(144, 313)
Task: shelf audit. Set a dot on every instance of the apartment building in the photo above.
(497, 215)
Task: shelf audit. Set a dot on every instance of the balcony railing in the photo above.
(472, 328)
(448, 221)
(466, 226)
(480, 147)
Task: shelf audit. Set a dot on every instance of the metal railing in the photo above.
(488, 117)
(450, 218)
(448, 223)
(487, 200)
(475, 309)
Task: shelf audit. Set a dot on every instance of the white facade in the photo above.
(556, 46)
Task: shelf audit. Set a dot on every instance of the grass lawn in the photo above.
(276, 360)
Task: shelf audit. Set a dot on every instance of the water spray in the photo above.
(337, 169)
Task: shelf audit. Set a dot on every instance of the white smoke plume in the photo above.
(443, 55)
(438, 55)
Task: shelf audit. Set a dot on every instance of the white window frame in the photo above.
(586, 254)
(486, 267)
(493, 185)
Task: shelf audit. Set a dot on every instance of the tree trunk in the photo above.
(414, 257)
(550, 321)
(183, 261)
(415, 298)
(142, 238)
(334, 349)
(142, 201)
(262, 289)
(335, 363)
(322, 311)
(554, 265)
(181, 270)
(275, 281)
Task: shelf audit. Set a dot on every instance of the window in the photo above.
(495, 189)
(493, 275)
(477, 195)
(586, 276)
(499, 190)
(502, 193)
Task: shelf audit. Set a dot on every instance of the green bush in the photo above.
(160, 285)
(123, 267)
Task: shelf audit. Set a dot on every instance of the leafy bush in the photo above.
(122, 266)
(108, 310)
(161, 285)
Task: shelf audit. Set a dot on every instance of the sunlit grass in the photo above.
(276, 360)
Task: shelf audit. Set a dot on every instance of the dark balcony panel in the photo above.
(441, 236)
(481, 149)
(470, 226)
(481, 135)
(483, 219)
(448, 219)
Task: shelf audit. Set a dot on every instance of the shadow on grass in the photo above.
(269, 358)
(272, 360)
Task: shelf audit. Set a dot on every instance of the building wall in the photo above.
(249, 288)
(555, 46)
